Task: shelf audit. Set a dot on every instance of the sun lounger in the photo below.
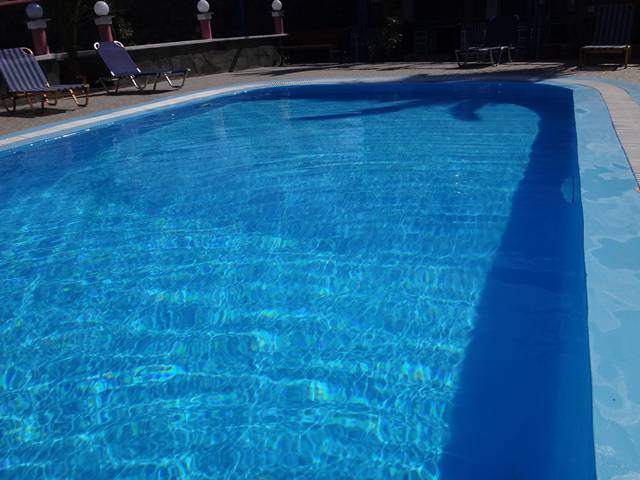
(497, 46)
(612, 32)
(121, 66)
(23, 78)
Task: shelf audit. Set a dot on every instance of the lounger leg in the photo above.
(115, 92)
(43, 99)
(54, 99)
(155, 81)
(28, 97)
(86, 96)
(140, 86)
(103, 84)
(627, 55)
(184, 79)
(461, 59)
(11, 108)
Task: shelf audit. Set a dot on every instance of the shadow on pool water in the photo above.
(522, 409)
(523, 405)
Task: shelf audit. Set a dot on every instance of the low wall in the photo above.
(203, 57)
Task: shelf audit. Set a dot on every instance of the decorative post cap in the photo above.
(101, 8)
(276, 5)
(34, 11)
(203, 6)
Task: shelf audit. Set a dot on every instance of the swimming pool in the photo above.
(336, 281)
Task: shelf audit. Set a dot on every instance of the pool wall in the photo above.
(612, 258)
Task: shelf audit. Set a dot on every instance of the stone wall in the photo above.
(203, 57)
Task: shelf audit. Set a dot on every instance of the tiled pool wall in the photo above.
(611, 209)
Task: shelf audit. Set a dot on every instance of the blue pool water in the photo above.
(322, 282)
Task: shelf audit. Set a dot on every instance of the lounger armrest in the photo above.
(72, 86)
(178, 72)
(164, 72)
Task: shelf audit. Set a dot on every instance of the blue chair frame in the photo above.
(121, 66)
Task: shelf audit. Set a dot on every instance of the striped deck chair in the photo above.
(612, 33)
(121, 66)
(23, 78)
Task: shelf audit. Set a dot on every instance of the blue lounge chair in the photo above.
(23, 78)
(612, 32)
(120, 65)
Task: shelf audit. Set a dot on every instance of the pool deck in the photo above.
(611, 207)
